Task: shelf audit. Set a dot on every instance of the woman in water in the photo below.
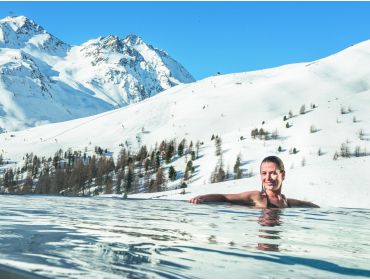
(272, 176)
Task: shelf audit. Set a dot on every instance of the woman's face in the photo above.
(271, 176)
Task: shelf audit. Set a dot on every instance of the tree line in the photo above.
(74, 173)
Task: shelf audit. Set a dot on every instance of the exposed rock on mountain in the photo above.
(43, 79)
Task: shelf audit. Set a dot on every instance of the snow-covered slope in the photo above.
(43, 79)
(336, 94)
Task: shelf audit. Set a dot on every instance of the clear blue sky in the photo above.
(211, 37)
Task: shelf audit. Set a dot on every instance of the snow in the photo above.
(231, 106)
(68, 82)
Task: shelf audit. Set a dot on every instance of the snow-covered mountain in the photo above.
(325, 103)
(122, 72)
(43, 79)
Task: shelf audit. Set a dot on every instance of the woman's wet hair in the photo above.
(279, 163)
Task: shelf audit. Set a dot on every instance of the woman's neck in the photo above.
(274, 194)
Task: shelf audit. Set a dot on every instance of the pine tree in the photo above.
(109, 184)
(360, 134)
(36, 164)
(180, 149)
(192, 155)
(59, 182)
(43, 184)
(261, 133)
(82, 174)
(237, 171)
(120, 175)
(344, 150)
(143, 153)
(146, 184)
(27, 185)
(357, 151)
(218, 144)
(254, 133)
(189, 167)
(186, 175)
(197, 147)
(128, 186)
(8, 180)
(172, 173)
(157, 160)
(218, 175)
(146, 164)
(169, 152)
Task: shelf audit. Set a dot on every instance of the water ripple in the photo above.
(60, 237)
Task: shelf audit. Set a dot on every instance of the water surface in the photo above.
(60, 237)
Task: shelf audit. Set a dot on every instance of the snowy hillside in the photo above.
(314, 112)
(44, 80)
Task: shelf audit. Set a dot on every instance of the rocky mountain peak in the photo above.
(15, 31)
(19, 32)
(133, 40)
(21, 24)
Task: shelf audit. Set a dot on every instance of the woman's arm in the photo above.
(301, 203)
(208, 198)
(240, 198)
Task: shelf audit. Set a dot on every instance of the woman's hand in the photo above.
(197, 200)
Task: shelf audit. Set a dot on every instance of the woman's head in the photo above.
(272, 173)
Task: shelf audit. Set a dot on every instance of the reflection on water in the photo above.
(60, 237)
(269, 218)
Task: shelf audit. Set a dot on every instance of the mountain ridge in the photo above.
(107, 71)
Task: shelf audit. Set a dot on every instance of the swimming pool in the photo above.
(59, 237)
